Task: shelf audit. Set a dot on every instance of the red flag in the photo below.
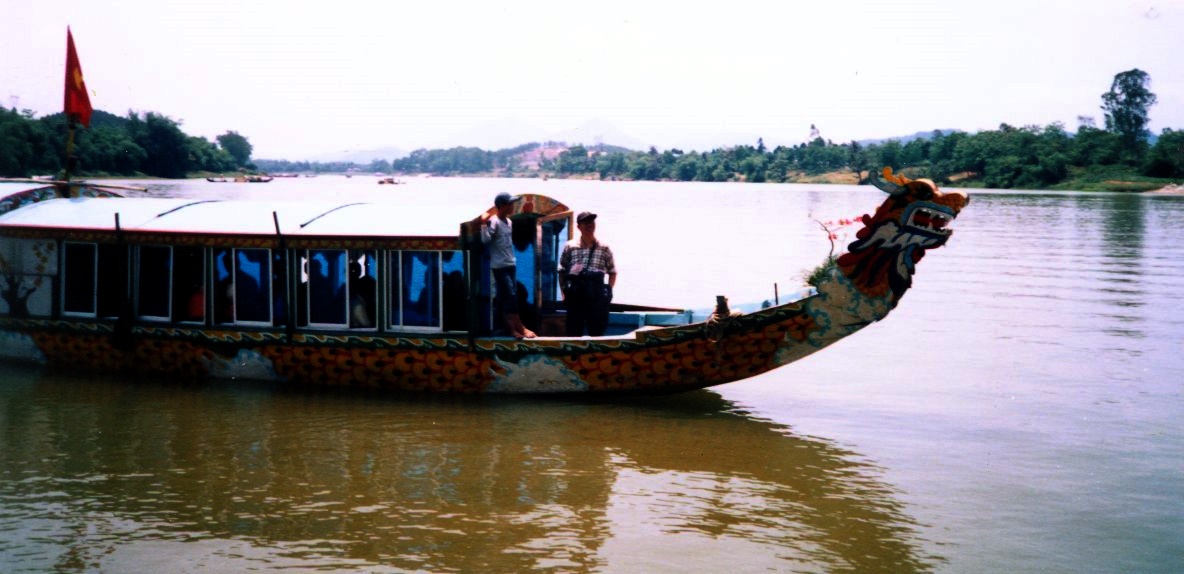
(77, 103)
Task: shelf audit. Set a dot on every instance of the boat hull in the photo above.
(655, 360)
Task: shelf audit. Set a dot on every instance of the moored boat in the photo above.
(327, 294)
(242, 179)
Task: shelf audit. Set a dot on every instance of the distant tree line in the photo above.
(472, 160)
(1007, 157)
(1028, 157)
(285, 166)
(152, 145)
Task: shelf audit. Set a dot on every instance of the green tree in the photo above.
(379, 166)
(754, 168)
(1166, 159)
(165, 146)
(24, 148)
(889, 155)
(915, 152)
(573, 160)
(108, 149)
(1126, 109)
(942, 152)
(686, 167)
(611, 164)
(858, 160)
(1092, 146)
(237, 146)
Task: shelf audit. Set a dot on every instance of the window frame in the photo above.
(94, 279)
(308, 295)
(178, 305)
(266, 282)
(139, 278)
(392, 273)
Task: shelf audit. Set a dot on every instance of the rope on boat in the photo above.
(720, 320)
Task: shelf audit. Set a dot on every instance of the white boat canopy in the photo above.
(246, 217)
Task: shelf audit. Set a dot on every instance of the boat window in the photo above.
(242, 291)
(27, 267)
(363, 289)
(279, 287)
(223, 286)
(327, 289)
(112, 296)
(418, 283)
(455, 310)
(421, 288)
(79, 262)
(554, 236)
(337, 288)
(394, 289)
(189, 284)
(526, 271)
(153, 282)
(85, 291)
(252, 286)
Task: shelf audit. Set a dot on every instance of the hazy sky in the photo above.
(299, 78)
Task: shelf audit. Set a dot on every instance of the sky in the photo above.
(303, 78)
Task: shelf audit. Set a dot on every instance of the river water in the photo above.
(1020, 411)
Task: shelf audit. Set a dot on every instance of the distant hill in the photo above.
(599, 132)
(508, 133)
(927, 134)
(361, 156)
(98, 119)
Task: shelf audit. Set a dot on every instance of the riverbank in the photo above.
(1173, 189)
(1083, 180)
(1093, 179)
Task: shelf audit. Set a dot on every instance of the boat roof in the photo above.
(420, 217)
(10, 187)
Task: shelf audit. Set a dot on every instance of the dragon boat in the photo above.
(315, 293)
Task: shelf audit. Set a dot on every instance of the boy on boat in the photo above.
(498, 233)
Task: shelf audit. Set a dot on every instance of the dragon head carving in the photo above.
(915, 218)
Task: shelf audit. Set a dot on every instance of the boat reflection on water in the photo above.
(103, 473)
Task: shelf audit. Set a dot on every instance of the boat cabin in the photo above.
(333, 266)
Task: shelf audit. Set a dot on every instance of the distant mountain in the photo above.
(599, 132)
(512, 132)
(928, 134)
(705, 142)
(494, 135)
(361, 156)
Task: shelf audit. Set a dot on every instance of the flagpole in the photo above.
(70, 121)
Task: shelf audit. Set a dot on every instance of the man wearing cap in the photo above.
(498, 233)
(583, 267)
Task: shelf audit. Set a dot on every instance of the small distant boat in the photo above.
(389, 180)
(240, 179)
(252, 179)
